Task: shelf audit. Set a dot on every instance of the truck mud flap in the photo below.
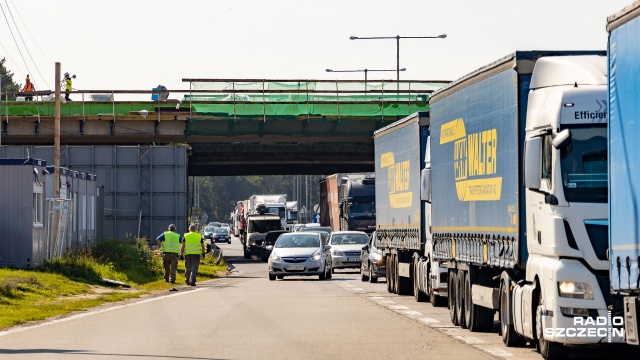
(631, 323)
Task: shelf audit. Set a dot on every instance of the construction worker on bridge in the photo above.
(192, 248)
(28, 87)
(67, 85)
(169, 242)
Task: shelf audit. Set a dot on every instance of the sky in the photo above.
(139, 44)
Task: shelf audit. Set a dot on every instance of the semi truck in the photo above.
(347, 202)
(518, 193)
(292, 215)
(258, 224)
(624, 166)
(519, 198)
(275, 204)
(403, 213)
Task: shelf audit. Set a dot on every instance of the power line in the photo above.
(14, 38)
(25, 45)
(10, 58)
(29, 32)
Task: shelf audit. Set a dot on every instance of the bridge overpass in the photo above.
(232, 126)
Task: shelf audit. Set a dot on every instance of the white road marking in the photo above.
(85, 314)
(357, 289)
(375, 298)
(412, 313)
(429, 320)
(471, 340)
(495, 351)
(387, 302)
(398, 307)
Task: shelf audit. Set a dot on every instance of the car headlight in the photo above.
(377, 257)
(316, 256)
(575, 290)
(275, 257)
(337, 253)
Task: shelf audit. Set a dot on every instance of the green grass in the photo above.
(73, 282)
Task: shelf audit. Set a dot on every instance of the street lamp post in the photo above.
(365, 71)
(397, 37)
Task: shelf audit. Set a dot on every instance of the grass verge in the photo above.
(73, 283)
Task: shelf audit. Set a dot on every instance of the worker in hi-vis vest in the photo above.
(169, 242)
(192, 248)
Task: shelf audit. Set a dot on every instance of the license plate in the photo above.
(353, 259)
(295, 267)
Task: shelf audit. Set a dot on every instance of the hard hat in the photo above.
(66, 74)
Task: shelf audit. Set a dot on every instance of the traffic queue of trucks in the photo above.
(510, 213)
(347, 202)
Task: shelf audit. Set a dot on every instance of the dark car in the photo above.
(372, 265)
(269, 240)
(221, 234)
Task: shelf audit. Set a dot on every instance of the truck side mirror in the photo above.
(533, 163)
(562, 139)
(425, 185)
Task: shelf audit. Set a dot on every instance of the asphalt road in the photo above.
(246, 316)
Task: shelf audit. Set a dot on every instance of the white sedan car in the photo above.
(346, 247)
(300, 254)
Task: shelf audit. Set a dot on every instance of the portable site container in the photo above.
(80, 192)
(22, 213)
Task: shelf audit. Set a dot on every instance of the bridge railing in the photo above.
(233, 98)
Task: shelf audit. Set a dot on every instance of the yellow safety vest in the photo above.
(67, 84)
(171, 243)
(192, 243)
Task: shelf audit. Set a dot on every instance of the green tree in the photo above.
(8, 85)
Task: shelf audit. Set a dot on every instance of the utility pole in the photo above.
(56, 158)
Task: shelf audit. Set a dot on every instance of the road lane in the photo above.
(246, 316)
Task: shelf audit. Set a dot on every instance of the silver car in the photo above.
(346, 247)
(300, 254)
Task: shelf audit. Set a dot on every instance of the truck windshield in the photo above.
(584, 165)
(362, 211)
(277, 211)
(263, 226)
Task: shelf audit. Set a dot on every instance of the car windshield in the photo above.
(280, 211)
(220, 231)
(349, 239)
(584, 165)
(299, 241)
(317, 229)
(209, 229)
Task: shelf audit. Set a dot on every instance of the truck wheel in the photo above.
(389, 275)
(460, 299)
(509, 335)
(478, 318)
(363, 274)
(548, 349)
(272, 277)
(372, 278)
(395, 277)
(453, 311)
(417, 294)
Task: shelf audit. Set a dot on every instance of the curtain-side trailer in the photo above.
(624, 164)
